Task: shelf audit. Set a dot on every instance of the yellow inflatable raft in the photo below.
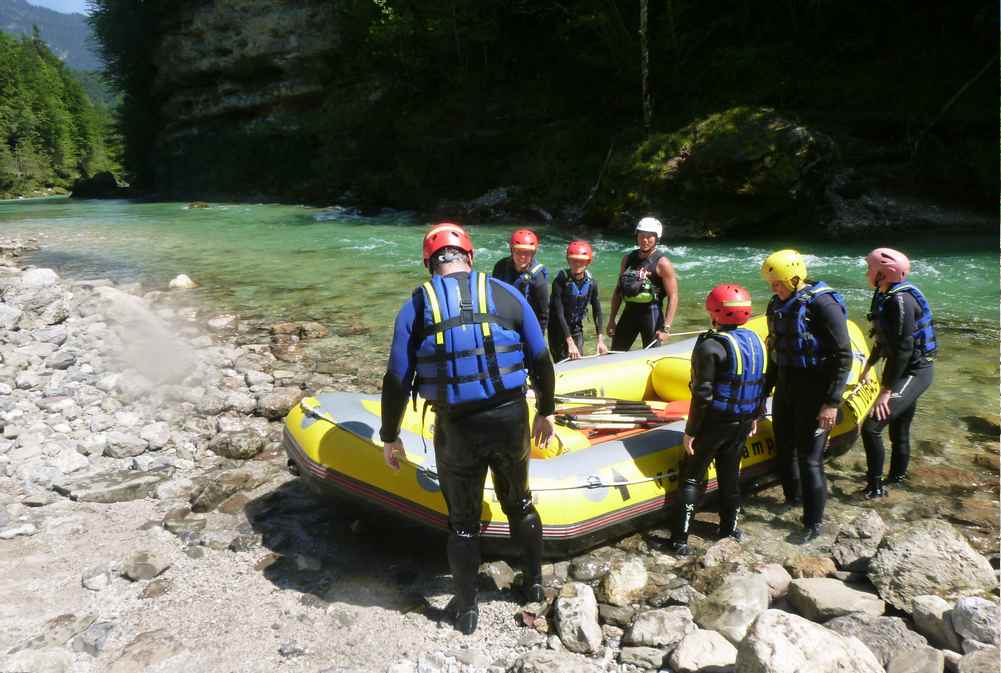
(593, 482)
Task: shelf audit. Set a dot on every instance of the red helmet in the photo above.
(892, 264)
(580, 250)
(446, 235)
(729, 304)
(524, 239)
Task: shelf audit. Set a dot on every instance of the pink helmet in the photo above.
(892, 265)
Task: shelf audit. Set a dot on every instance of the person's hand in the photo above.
(686, 442)
(392, 452)
(543, 428)
(663, 335)
(602, 348)
(881, 409)
(827, 417)
(610, 328)
(864, 376)
(754, 428)
(572, 350)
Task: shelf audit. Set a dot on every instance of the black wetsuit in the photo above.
(536, 290)
(643, 319)
(717, 436)
(908, 373)
(570, 311)
(471, 437)
(799, 395)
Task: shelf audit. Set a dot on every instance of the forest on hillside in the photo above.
(51, 132)
(426, 99)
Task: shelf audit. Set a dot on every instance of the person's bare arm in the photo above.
(670, 280)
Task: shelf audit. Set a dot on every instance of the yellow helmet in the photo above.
(783, 266)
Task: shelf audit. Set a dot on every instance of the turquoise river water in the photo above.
(273, 262)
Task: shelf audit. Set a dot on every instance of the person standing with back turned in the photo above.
(727, 383)
(905, 335)
(469, 343)
(809, 359)
(646, 276)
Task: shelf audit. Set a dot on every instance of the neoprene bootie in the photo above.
(811, 533)
(874, 489)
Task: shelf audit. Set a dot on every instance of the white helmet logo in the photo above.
(651, 225)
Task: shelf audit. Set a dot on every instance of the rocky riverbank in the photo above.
(147, 524)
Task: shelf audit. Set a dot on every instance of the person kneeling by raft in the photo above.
(573, 290)
(728, 370)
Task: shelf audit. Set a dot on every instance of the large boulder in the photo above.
(928, 557)
(276, 404)
(922, 660)
(103, 185)
(857, 542)
(981, 661)
(732, 608)
(933, 619)
(781, 642)
(664, 627)
(703, 652)
(624, 582)
(822, 598)
(885, 636)
(976, 618)
(241, 445)
(577, 618)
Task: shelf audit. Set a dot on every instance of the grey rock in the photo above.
(822, 598)
(70, 461)
(240, 445)
(60, 360)
(781, 642)
(116, 486)
(27, 380)
(180, 488)
(53, 335)
(93, 639)
(156, 435)
(58, 631)
(144, 565)
(577, 618)
(722, 551)
(663, 627)
(976, 618)
(9, 317)
(970, 645)
(499, 573)
(732, 607)
(93, 444)
(145, 651)
(624, 582)
(241, 402)
(124, 445)
(928, 557)
(777, 577)
(982, 661)
(857, 542)
(644, 657)
(921, 660)
(147, 462)
(884, 636)
(622, 616)
(588, 568)
(276, 404)
(675, 592)
(38, 278)
(26, 529)
(96, 578)
(551, 661)
(181, 522)
(50, 660)
(933, 619)
(952, 660)
(703, 652)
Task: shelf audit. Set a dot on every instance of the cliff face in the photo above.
(239, 80)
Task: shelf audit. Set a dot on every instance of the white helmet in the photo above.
(651, 225)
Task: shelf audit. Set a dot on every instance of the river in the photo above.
(279, 262)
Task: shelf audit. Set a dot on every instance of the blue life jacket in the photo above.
(523, 282)
(575, 298)
(739, 391)
(924, 326)
(790, 341)
(467, 353)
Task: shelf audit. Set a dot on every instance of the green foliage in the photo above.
(50, 132)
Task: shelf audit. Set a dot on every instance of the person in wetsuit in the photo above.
(904, 330)
(727, 384)
(646, 276)
(574, 289)
(809, 359)
(529, 277)
(469, 343)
